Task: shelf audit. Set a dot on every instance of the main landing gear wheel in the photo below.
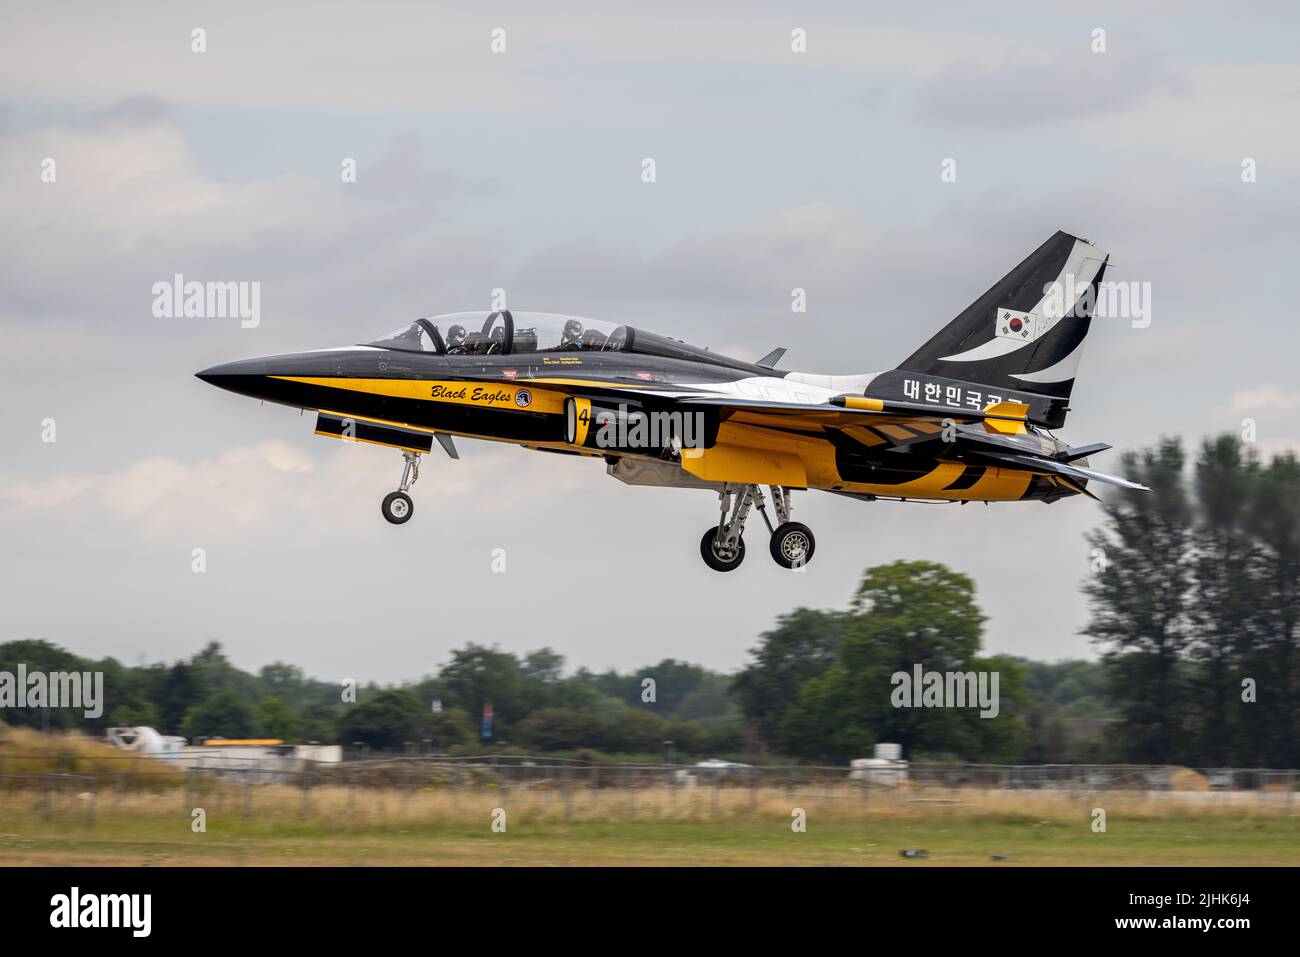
(721, 561)
(792, 545)
(397, 507)
(723, 548)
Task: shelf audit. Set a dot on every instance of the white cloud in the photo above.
(274, 487)
(425, 56)
(1266, 396)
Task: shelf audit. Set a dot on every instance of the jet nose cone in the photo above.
(214, 374)
(244, 376)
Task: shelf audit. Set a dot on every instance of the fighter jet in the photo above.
(968, 417)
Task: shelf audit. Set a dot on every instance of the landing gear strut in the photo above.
(397, 506)
(723, 547)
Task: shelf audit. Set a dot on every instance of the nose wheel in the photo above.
(397, 506)
(723, 547)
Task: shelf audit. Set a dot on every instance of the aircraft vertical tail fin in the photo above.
(1026, 333)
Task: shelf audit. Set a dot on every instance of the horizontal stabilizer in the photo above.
(1083, 451)
(770, 360)
(1053, 466)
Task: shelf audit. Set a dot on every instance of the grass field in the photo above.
(653, 826)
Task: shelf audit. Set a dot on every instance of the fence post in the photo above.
(568, 793)
(306, 791)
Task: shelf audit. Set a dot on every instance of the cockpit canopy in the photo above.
(505, 333)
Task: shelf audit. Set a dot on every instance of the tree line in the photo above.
(1195, 597)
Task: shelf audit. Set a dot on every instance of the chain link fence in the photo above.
(133, 772)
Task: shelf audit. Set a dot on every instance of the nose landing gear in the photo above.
(723, 548)
(397, 506)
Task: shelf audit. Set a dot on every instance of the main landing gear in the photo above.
(397, 506)
(723, 547)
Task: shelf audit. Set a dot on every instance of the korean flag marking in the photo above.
(1011, 324)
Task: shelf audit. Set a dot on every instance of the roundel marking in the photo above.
(523, 398)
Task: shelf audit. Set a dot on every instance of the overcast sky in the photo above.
(522, 170)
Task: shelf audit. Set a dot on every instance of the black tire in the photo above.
(713, 559)
(398, 507)
(792, 545)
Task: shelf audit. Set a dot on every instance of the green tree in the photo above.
(1273, 723)
(386, 722)
(44, 657)
(226, 714)
(181, 691)
(275, 719)
(804, 644)
(1140, 597)
(450, 728)
(477, 676)
(904, 615)
(143, 714)
(1229, 595)
(543, 665)
(555, 729)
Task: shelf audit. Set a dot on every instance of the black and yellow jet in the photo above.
(965, 418)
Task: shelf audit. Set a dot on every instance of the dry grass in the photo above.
(107, 810)
(726, 826)
(25, 752)
(342, 809)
